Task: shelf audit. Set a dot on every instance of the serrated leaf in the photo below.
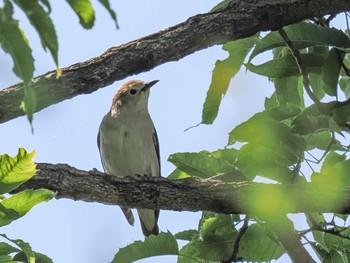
(85, 12)
(14, 42)
(303, 35)
(223, 72)
(42, 23)
(286, 66)
(162, 244)
(331, 72)
(201, 164)
(257, 246)
(113, 15)
(16, 170)
(18, 205)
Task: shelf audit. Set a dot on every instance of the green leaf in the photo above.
(106, 4)
(303, 35)
(271, 102)
(317, 85)
(201, 164)
(28, 104)
(331, 72)
(24, 246)
(220, 5)
(18, 205)
(286, 66)
(6, 249)
(223, 72)
(344, 84)
(189, 253)
(42, 23)
(217, 235)
(16, 170)
(186, 234)
(162, 244)
(257, 246)
(311, 121)
(14, 42)
(322, 140)
(85, 12)
(178, 174)
(289, 90)
(39, 258)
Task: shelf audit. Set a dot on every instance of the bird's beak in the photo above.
(148, 85)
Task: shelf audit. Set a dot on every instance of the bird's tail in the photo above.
(148, 219)
(128, 214)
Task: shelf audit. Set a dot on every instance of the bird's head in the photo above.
(131, 97)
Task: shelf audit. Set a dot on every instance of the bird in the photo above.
(128, 143)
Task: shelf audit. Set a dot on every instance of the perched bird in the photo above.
(128, 143)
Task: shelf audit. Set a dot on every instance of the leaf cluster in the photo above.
(295, 139)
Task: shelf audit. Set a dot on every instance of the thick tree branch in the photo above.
(239, 19)
(190, 194)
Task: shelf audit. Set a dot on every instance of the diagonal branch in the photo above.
(239, 19)
(191, 194)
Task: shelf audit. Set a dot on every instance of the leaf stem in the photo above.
(301, 66)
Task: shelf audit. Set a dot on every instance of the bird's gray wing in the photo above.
(156, 145)
(127, 211)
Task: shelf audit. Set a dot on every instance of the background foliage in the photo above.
(301, 135)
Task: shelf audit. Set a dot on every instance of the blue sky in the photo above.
(74, 231)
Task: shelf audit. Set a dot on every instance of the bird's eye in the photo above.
(133, 91)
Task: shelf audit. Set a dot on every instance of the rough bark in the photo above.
(192, 194)
(237, 20)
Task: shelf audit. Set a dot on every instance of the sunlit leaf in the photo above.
(201, 164)
(18, 205)
(223, 72)
(286, 66)
(162, 244)
(85, 12)
(16, 170)
(303, 35)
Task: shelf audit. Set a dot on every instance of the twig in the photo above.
(301, 66)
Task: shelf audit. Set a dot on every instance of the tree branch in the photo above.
(239, 19)
(191, 194)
